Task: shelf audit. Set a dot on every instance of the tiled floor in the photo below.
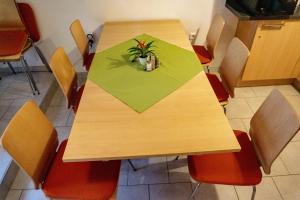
(162, 178)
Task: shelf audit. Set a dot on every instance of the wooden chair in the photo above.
(66, 77)
(14, 40)
(82, 43)
(30, 23)
(271, 128)
(230, 71)
(207, 53)
(31, 141)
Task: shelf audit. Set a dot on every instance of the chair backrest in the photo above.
(233, 64)
(272, 127)
(214, 34)
(31, 141)
(9, 17)
(64, 72)
(29, 20)
(79, 37)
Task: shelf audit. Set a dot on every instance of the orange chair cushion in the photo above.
(76, 97)
(239, 168)
(202, 53)
(81, 180)
(87, 60)
(12, 42)
(29, 20)
(218, 88)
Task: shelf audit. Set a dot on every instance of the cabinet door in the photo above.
(275, 51)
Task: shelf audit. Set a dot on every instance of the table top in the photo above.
(188, 121)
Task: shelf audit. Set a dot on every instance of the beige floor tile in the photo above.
(22, 181)
(123, 173)
(244, 92)
(297, 137)
(174, 191)
(295, 102)
(63, 133)
(13, 195)
(278, 168)
(291, 157)
(150, 171)
(4, 106)
(238, 108)
(70, 119)
(255, 103)
(288, 186)
(263, 91)
(237, 124)
(58, 115)
(215, 192)
(287, 90)
(246, 123)
(33, 195)
(266, 190)
(5, 161)
(59, 99)
(178, 171)
(3, 125)
(139, 192)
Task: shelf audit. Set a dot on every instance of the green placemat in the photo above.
(127, 81)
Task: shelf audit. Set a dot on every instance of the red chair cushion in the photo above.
(75, 98)
(12, 42)
(239, 168)
(218, 88)
(202, 53)
(87, 60)
(29, 20)
(81, 180)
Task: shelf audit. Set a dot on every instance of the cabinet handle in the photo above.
(272, 26)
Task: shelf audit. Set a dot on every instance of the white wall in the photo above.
(55, 16)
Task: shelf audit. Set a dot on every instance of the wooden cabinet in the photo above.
(274, 49)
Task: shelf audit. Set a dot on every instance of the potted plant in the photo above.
(141, 51)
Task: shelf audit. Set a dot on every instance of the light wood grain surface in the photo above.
(188, 121)
(275, 51)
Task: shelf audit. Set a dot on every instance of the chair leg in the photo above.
(194, 191)
(29, 75)
(11, 68)
(29, 80)
(132, 166)
(224, 109)
(253, 192)
(207, 69)
(42, 57)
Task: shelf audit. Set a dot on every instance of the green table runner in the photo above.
(112, 70)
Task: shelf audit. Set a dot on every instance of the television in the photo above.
(269, 7)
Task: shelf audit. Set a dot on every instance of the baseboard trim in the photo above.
(296, 84)
(265, 82)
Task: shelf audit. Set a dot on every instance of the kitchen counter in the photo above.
(242, 14)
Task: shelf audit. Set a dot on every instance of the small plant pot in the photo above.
(143, 61)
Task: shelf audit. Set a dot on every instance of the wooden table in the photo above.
(188, 121)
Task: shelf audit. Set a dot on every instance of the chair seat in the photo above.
(238, 168)
(87, 60)
(202, 53)
(75, 97)
(12, 42)
(81, 180)
(218, 87)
